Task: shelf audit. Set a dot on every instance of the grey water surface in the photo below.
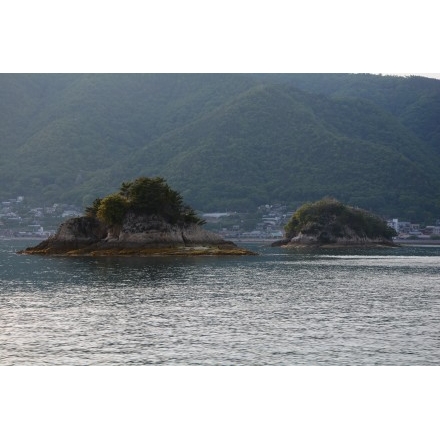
(282, 307)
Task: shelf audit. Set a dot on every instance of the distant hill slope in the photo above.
(63, 129)
(275, 143)
(414, 100)
(225, 141)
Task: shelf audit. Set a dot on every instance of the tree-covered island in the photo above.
(145, 217)
(330, 223)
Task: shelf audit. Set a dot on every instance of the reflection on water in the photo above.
(283, 307)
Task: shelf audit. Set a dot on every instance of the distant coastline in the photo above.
(400, 242)
(418, 242)
(260, 240)
(256, 240)
(22, 238)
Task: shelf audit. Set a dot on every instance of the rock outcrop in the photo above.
(140, 235)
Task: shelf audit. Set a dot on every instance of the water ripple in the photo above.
(280, 308)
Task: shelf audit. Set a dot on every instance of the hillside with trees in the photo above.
(225, 142)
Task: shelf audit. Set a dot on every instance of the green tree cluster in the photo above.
(332, 216)
(144, 195)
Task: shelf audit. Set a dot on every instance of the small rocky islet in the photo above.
(145, 218)
(329, 223)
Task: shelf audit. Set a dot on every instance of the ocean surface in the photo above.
(282, 307)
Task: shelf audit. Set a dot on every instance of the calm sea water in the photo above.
(283, 307)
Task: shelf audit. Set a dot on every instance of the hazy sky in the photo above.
(214, 36)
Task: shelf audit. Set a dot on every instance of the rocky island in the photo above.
(145, 218)
(330, 223)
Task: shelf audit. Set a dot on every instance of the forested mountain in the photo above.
(229, 141)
